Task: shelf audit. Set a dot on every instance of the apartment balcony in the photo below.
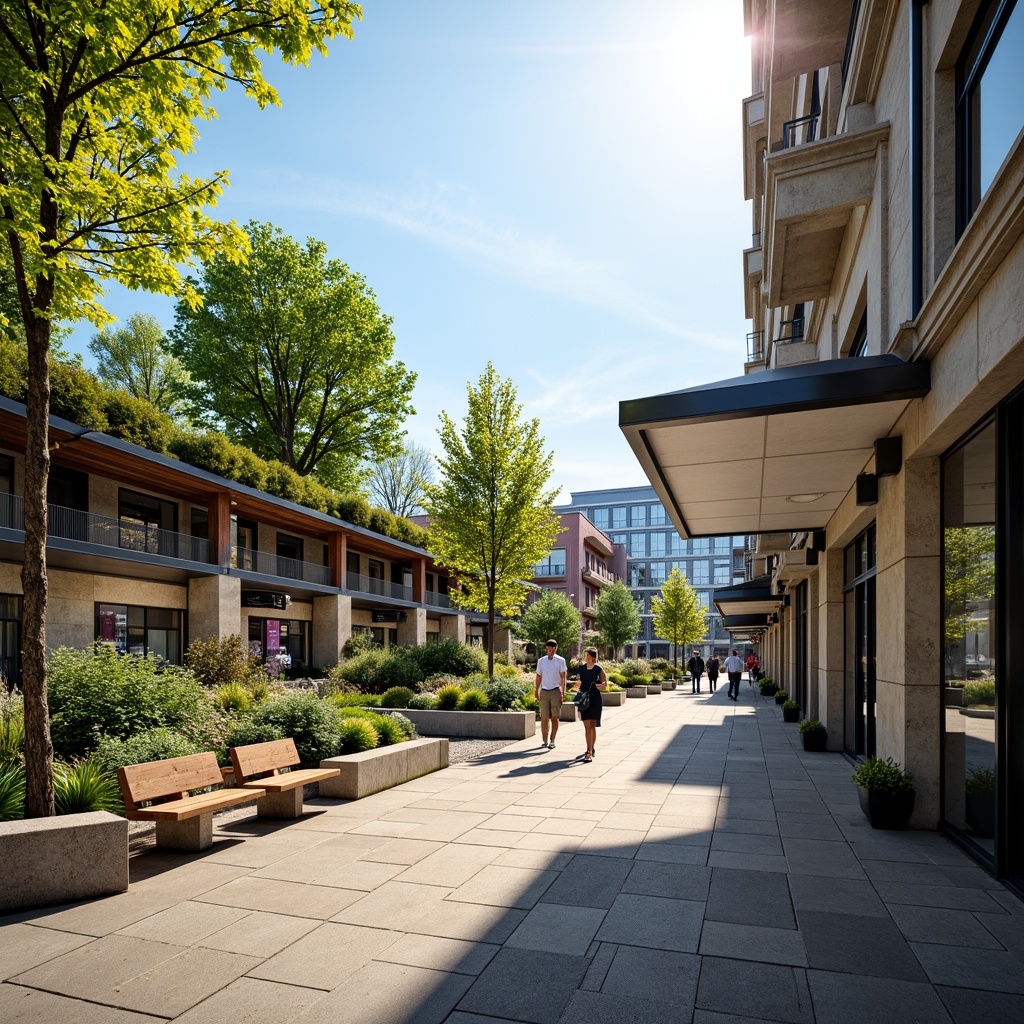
(807, 35)
(436, 600)
(755, 137)
(812, 192)
(769, 543)
(755, 349)
(380, 588)
(267, 564)
(598, 576)
(69, 524)
(548, 570)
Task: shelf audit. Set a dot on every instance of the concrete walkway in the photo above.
(702, 869)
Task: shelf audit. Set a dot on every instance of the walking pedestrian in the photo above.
(549, 689)
(713, 667)
(592, 681)
(696, 667)
(754, 670)
(734, 667)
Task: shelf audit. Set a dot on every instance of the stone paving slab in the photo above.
(702, 870)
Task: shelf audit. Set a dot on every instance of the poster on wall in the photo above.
(272, 632)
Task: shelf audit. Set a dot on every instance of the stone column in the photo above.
(830, 645)
(413, 632)
(453, 627)
(813, 697)
(332, 626)
(214, 607)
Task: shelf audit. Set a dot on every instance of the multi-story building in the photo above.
(875, 442)
(584, 561)
(635, 518)
(148, 553)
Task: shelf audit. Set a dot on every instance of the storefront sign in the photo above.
(388, 616)
(264, 599)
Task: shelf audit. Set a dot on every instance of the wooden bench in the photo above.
(258, 765)
(183, 822)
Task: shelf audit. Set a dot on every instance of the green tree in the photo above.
(135, 358)
(552, 617)
(397, 482)
(291, 354)
(678, 616)
(96, 103)
(617, 616)
(969, 567)
(492, 518)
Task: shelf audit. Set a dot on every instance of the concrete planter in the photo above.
(667, 685)
(635, 691)
(568, 712)
(57, 860)
(383, 767)
(615, 699)
(654, 688)
(499, 725)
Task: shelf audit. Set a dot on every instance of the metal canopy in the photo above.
(753, 599)
(774, 451)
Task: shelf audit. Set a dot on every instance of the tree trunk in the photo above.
(38, 747)
(490, 638)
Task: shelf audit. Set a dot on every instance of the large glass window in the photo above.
(638, 515)
(658, 545)
(147, 523)
(10, 640)
(132, 629)
(601, 518)
(657, 514)
(722, 572)
(637, 545)
(969, 634)
(859, 663)
(7, 516)
(552, 565)
(677, 544)
(990, 84)
(699, 571)
(619, 518)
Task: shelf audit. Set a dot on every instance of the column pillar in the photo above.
(413, 632)
(332, 626)
(214, 607)
(419, 579)
(831, 651)
(218, 524)
(453, 627)
(336, 553)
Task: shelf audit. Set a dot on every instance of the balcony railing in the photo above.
(809, 122)
(71, 524)
(549, 570)
(755, 347)
(268, 564)
(372, 585)
(436, 600)
(790, 331)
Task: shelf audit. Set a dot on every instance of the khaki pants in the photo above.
(550, 704)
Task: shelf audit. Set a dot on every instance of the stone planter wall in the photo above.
(654, 688)
(383, 767)
(57, 860)
(499, 725)
(615, 699)
(635, 691)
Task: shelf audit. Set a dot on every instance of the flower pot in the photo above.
(769, 690)
(667, 685)
(791, 714)
(654, 688)
(780, 697)
(814, 741)
(884, 809)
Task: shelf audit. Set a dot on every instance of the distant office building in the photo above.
(636, 519)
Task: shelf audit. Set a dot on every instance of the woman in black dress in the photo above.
(592, 681)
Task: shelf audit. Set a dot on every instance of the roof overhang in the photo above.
(774, 451)
(748, 601)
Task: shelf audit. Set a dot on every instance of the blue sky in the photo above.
(554, 185)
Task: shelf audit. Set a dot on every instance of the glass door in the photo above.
(859, 663)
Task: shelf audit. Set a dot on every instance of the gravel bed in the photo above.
(464, 749)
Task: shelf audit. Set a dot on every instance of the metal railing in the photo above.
(755, 240)
(268, 564)
(755, 347)
(71, 524)
(436, 600)
(549, 570)
(789, 129)
(795, 329)
(848, 50)
(372, 585)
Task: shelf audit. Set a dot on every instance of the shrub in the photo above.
(12, 792)
(635, 667)
(355, 736)
(505, 671)
(354, 700)
(473, 700)
(790, 705)
(86, 786)
(448, 698)
(507, 694)
(435, 683)
(358, 643)
(980, 781)
(378, 670)
(245, 732)
(662, 664)
(616, 677)
(449, 657)
(530, 703)
(234, 697)
(388, 731)
(396, 697)
(887, 776)
(811, 725)
(100, 692)
(151, 745)
(423, 702)
(12, 725)
(403, 723)
(310, 721)
(221, 661)
(979, 693)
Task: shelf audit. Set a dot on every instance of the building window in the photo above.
(132, 629)
(147, 523)
(859, 601)
(701, 546)
(619, 518)
(638, 576)
(722, 572)
(657, 514)
(619, 538)
(659, 573)
(859, 345)
(677, 544)
(722, 545)
(638, 515)
(637, 545)
(10, 639)
(990, 83)
(7, 514)
(601, 518)
(699, 571)
(551, 565)
(658, 545)
(289, 556)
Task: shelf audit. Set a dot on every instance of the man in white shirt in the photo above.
(550, 691)
(734, 666)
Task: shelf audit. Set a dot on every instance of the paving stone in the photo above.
(675, 881)
(988, 969)
(504, 887)
(670, 853)
(836, 895)
(808, 826)
(452, 955)
(856, 944)
(95, 917)
(470, 921)
(555, 928)
(655, 922)
(607, 1008)
(589, 881)
(763, 862)
(757, 991)
(949, 896)
(752, 845)
(854, 999)
(747, 826)
(741, 896)
(1007, 928)
(27, 1006)
(819, 857)
(945, 927)
(645, 973)
(510, 986)
(749, 942)
(971, 1006)
(259, 934)
(25, 946)
(254, 1002)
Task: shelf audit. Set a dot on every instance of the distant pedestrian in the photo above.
(734, 667)
(696, 667)
(714, 667)
(592, 681)
(754, 670)
(549, 690)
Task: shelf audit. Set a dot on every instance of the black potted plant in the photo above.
(980, 800)
(768, 686)
(814, 734)
(886, 792)
(781, 696)
(791, 711)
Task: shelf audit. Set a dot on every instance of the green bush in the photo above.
(423, 702)
(449, 657)
(403, 723)
(396, 697)
(234, 697)
(358, 643)
(12, 792)
(355, 736)
(448, 698)
(151, 745)
(616, 677)
(887, 776)
(86, 786)
(530, 703)
(811, 725)
(388, 731)
(473, 700)
(507, 694)
(378, 670)
(635, 667)
(12, 725)
(310, 721)
(100, 692)
(980, 781)
(790, 705)
(221, 661)
(246, 732)
(354, 700)
(979, 693)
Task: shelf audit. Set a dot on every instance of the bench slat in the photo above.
(192, 806)
(259, 758)
(292, 780)
(173, 776)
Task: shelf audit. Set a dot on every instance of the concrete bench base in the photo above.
(668, 685)
(384, 767)
(568, 712)
(636, 691)
(190, 835)
(285, 805)
(57, 860)
(503, 725)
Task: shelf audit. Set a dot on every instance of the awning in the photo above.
(752, 601)
(776, 450)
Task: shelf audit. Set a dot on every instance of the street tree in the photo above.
(290, 355)
(97, 101)
(617, 616)
(492, 517)
(551, 617)
(136, 358)
(678, 616)
(397, 482)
